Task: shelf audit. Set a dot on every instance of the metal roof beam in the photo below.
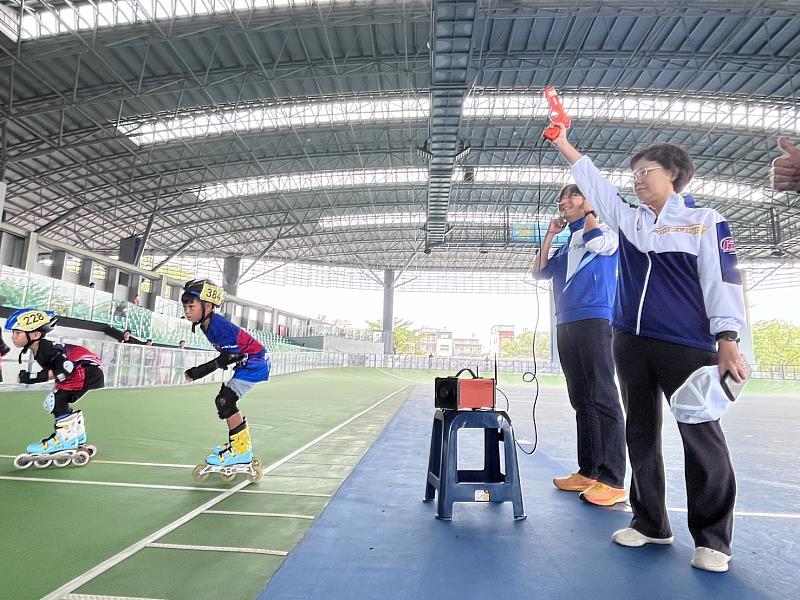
(451, 47)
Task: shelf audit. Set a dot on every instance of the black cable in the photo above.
(528, 376)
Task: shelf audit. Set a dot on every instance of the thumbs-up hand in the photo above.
(786, 168)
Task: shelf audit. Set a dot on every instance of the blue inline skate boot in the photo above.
(66, 445)
(234, 457)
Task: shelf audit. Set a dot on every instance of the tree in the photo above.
(406, 339)
(776, 343)
(521, 346)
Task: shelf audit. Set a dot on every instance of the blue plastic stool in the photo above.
(455, 485)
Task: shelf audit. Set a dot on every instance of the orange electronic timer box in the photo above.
(453, 393)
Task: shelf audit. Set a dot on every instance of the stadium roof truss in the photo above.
(399, 135)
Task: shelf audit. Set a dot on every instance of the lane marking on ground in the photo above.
(219, 549)
(259, 514)
(744, 513)
(154, 486)
(107, 564)
(120, 462)
(91, 597)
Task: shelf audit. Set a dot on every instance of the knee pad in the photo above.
(49, 402)
(226, 402)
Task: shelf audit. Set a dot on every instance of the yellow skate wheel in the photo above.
(197, 473)
(80, 458)
(62, 462)
(42, 463)
(23, 461)
(228, 476)
(255, 464)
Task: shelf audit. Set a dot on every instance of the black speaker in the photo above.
(446, 393)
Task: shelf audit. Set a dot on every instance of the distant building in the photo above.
(500, 336)
(467, 347)
(444, 344)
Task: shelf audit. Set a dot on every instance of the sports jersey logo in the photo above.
(691, 229)
(727, 245)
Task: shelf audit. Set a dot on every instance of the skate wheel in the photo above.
(257, 472)
(92, 450)
(42, 463)
(228, 476)
(80, 458)
(23, 461)
(62, 462)
(197, 473)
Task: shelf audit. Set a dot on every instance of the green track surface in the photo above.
(53, 532)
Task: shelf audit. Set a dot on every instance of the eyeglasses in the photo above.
(570, 196)
(642, 173)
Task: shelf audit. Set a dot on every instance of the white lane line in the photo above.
(274, 493)
(104, 566)
(91, 597)
(259, 514)
(415, 382)
(157, 487)
(115, 484)
(736, 513)
(220, 549)
(120, 462)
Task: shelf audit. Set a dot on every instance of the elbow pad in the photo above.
(64, 370)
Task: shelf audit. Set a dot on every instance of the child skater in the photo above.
(75, 369)
(251, 365)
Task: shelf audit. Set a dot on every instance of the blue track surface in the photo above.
(377, 539)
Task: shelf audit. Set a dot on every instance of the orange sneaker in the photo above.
(603, 495)
(574, 483)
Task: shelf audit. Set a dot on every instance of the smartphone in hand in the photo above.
(731, 388)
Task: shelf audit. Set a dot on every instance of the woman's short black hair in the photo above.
(671, 157)
(570, 189)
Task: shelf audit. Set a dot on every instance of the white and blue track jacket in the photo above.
(678, 281)
(584, 274)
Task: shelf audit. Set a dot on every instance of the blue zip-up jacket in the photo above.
(678, 280)
(227, 337)
(584, 274)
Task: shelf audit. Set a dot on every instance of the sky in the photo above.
(463, 314)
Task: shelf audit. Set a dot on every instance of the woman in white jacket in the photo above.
(680, 306)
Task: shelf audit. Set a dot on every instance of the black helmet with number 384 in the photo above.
(203, 289)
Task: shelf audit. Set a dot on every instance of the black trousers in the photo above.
(646, 368)
(585, 351)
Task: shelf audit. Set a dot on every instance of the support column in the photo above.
(59, 264)
(3, 188)
(388, 311)
(230, 274)
(86, 275)
(31, 251)
(746, 334)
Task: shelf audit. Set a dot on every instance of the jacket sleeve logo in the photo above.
(727, 245)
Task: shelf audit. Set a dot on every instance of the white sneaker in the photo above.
(710, 560)
(630, 537)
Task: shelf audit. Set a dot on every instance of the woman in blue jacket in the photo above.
(679, 307)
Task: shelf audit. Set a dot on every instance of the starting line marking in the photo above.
(149, 540)
(90, 597)
(120, 462)
(220, 549)
(259, 514)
